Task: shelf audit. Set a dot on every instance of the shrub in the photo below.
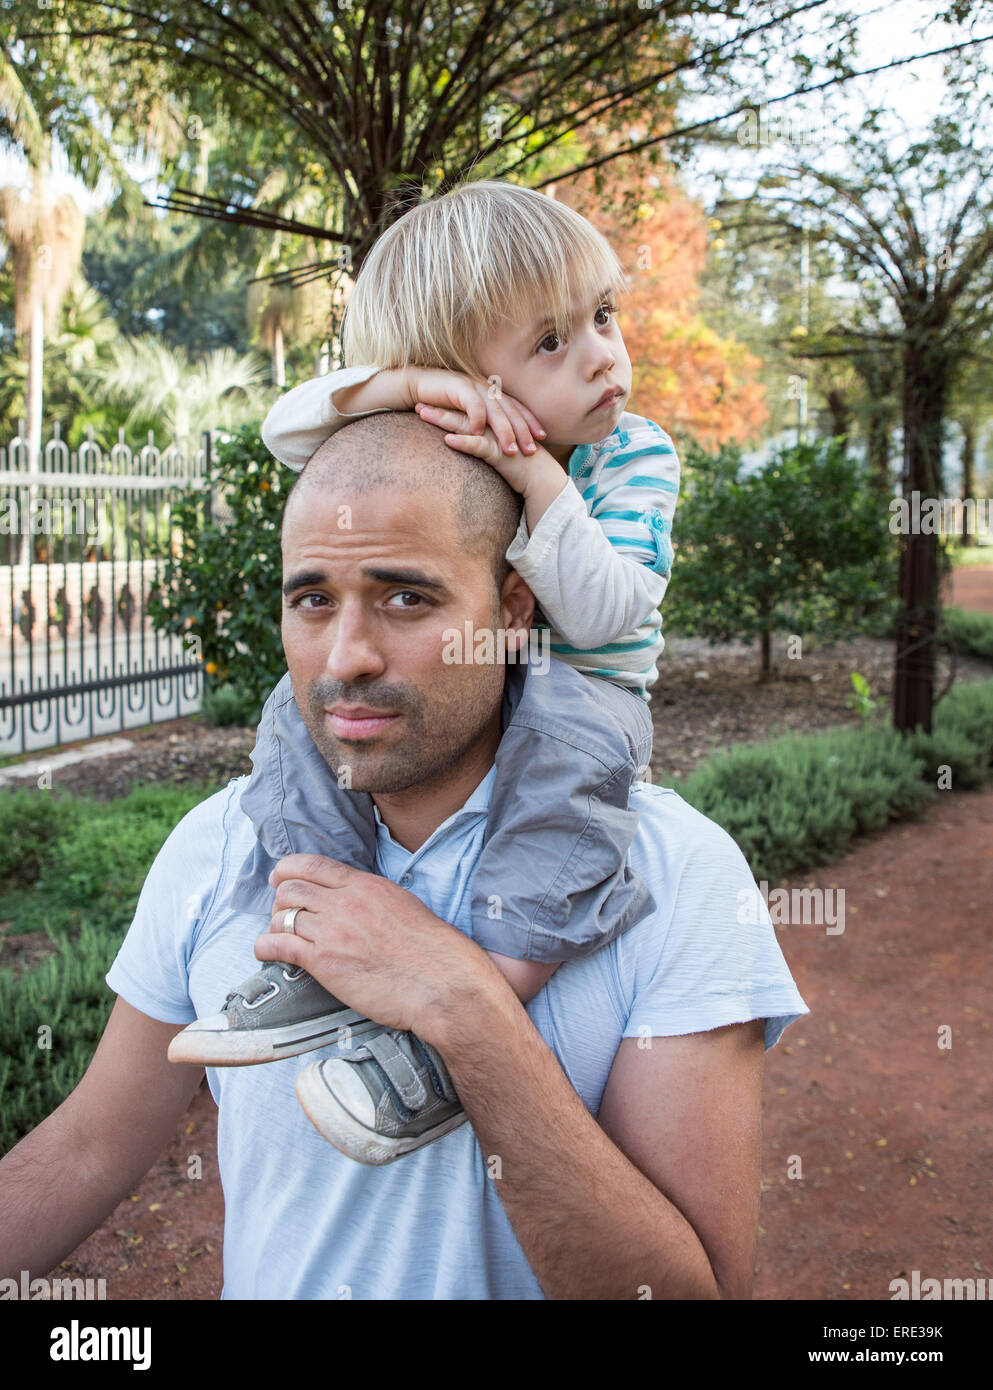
(84, 895)
(231, 704)
(799, 801)
(969, 631)
(223, 588)
(802, 545)
(30, 821)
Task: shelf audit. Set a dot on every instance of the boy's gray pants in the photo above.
(552, 883)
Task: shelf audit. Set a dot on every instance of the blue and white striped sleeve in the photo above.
(634, 496)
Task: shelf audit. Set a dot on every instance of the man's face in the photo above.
(562, 380)
(365, 606)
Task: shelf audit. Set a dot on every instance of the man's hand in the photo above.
(375, 946)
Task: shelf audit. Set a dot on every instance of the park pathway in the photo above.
(882, 1098)
(973, 588)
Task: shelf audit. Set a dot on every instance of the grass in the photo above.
(73, 868)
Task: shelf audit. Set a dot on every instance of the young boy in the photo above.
(491, 311)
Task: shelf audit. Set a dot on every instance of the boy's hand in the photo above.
(463, 405)
(539, 479)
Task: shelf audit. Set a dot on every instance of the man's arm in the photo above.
(65, 1177)
(660, 1199)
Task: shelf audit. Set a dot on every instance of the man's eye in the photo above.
(297, 602)
(409, 593)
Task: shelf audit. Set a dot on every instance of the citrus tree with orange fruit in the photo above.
(220, 579)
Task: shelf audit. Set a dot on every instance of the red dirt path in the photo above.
(893, 1134)
(973, 588)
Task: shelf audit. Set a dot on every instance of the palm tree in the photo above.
(43, 230)
(221, 391)
(44, 233)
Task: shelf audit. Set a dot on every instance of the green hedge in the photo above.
(969, 631)
(799, 801)
(77, 875)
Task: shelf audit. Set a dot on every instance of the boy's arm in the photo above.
(300, 422)
(66, 1177)
(599, 573)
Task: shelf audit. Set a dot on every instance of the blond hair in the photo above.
(441, 279)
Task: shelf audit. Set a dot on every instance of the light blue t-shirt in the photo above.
(302, 1221)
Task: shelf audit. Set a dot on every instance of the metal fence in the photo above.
(78, 654)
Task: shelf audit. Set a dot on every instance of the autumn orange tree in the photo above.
(693, 381)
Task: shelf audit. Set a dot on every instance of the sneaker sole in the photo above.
(335, 1124)
(246, 1047)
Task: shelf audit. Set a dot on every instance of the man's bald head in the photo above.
(399, 452)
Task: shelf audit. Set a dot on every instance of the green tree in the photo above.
(909, 220)
(388, 98)
(220, 391)
(798, 546)
(222, 571)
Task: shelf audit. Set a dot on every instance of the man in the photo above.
(660, 1034)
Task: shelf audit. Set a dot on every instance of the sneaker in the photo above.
(383, 1099)
(279, 1012)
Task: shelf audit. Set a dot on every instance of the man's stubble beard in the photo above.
(424, 756)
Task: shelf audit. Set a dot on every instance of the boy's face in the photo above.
(563, 381)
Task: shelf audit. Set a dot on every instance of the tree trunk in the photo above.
(766, 637)
(925, 383)
(878, 447)
(968, 473)
(840, 415)
(33, 393)
(278, 357)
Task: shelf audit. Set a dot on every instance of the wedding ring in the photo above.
(289, 917)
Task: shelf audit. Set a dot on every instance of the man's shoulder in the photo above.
(670, 826)
(199, 842)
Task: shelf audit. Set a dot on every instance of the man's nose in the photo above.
(354, 652)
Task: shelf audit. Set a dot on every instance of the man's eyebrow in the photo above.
(416, 578)
(303, 580)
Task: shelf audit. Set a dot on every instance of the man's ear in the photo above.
(516, 605)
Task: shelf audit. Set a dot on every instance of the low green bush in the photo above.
(231, 704)
(31, 819)
(89, 863)
(961, 740)
(51, 1019)
(799, 801)
(969, 631)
